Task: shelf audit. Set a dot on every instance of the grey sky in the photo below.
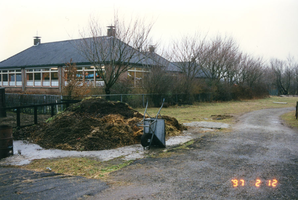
(267, 28)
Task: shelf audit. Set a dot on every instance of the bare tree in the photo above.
(219, 58)
(114, 54)
(284, 75)
(185, 54)
(216, 59)
(250, 70)
(75, 87)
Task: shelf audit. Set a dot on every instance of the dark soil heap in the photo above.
(92, 124)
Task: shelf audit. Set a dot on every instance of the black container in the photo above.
(2, 103)
(6, 141)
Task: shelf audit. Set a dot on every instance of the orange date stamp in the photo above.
(256, 183)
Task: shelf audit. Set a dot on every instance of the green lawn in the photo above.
(203, 111)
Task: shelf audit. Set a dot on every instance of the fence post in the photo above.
(143, 100)
(121, 97)
(35, 114)
(296, 109)
(45, 101)
(52, 110)
(57, 107)
(18, 118)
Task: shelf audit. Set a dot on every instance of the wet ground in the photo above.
(23, 184)
(257, 160)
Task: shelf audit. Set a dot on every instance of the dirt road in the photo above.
(260, 151)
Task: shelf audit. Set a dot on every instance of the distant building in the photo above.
(41, 68)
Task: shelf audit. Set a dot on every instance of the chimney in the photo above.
(36, 40)
(151, 49)
(111, 31)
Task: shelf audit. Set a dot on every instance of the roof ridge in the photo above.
(69, 40)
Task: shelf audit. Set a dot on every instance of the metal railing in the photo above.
(54, 109)
(134, 100)
(13, 100)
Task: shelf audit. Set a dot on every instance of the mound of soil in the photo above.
(92, 124)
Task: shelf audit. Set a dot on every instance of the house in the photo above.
(176, 68)
(41, 68)
(192, 69)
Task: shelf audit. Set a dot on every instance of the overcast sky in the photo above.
(267, 28)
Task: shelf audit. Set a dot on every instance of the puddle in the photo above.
(210, 125)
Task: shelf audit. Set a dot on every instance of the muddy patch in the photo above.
(220, 117)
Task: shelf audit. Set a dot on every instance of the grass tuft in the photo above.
(86, 167)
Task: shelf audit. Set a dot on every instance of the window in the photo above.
(29, 78)
(47, 77)
(5, 78)
(54, 79)
(19, 78)
(37, 79)
(136, 76)
(10, 77)
(89, 74)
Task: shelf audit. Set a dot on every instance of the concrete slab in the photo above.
(211, 125)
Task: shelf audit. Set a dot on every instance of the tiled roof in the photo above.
(200, 72)
(58, 53)
(170, 66)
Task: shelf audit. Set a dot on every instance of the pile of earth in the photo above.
(92, 124)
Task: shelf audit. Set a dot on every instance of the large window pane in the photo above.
(46, 79)
(54, 78)
(12, 79)
(29, 79)
(37, 78)
(19, 79)
(5, 79)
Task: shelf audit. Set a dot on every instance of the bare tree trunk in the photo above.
(114, 54)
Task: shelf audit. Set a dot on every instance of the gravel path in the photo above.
(259, 151)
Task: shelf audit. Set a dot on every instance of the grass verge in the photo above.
(86, 167)
(203, 111)
(290, 119)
